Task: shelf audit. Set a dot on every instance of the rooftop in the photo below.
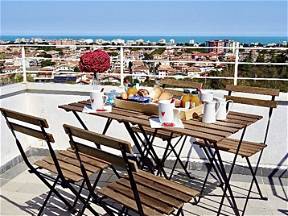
(22, 193)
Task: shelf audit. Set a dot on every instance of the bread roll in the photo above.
(165, 96)
(157, 91)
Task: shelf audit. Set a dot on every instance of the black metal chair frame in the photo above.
(219, 169)
(43, 177)
(130, 167)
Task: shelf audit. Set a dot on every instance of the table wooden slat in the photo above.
(194, 128)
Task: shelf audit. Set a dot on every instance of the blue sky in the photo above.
(146, 17)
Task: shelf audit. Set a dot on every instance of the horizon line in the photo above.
(144, 35)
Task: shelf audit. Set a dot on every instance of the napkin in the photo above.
(88, 109)
(155, 123)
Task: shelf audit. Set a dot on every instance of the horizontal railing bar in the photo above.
(172, 76)
(164, 60)
(140, 46)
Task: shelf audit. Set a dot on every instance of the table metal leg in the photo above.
(178, 159)
(107, 125)
(227, 178)
(84, 126)
(138, 146)
(213, 164)
(152, 151)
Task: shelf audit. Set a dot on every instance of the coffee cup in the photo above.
(98, 99)
(166, 111)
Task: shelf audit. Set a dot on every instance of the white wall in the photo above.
(46, 106)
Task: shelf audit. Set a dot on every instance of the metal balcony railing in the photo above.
(121, 59)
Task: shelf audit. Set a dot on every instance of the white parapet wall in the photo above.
(43, 100)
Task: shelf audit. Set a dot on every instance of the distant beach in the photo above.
(178, 39)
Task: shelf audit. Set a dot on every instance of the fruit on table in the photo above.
(132, 91)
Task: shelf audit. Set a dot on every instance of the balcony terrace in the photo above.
(22, 193)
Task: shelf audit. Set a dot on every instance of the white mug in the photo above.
(98, 99)
(206, 96)
(209, 115)
(166, 111)
(221, 105)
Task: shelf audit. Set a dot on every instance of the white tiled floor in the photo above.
(24, 194)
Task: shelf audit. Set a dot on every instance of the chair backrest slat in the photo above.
(115, 160)
(253, 90)
(180, 83)
(252, 101)
(98, 138)
(31, 132)
(94, 152)
(174, 92)
(25, 118)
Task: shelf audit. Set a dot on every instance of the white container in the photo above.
(206, 96)
(221, 106)
(209, 115)
(166, 111)
(98, 99)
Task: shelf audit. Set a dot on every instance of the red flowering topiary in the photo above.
(97, 61)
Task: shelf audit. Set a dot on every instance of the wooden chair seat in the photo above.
(247, 148)
(165, 135)
(70, 165)
(158, 195)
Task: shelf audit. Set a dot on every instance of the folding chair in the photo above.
(248, 149)
(138, 191)
(164, 135)
(64, 163)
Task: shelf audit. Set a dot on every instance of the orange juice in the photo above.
(185, 98)
(194, 99)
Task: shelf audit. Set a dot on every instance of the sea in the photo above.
(153, 38)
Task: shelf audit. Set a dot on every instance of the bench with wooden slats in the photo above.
(247, 149)
(158, 195)
(70, 165)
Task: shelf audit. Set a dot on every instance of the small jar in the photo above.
(194, 99)
(185, 100)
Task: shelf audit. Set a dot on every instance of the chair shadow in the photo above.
(54, 207)
(272, 177)
(283, 211)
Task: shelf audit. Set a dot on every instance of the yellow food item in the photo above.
(165, 96)
(195, 99)
(130, 95)
(124, 95)
(132, 91)
(185, 98)
(157, 91)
